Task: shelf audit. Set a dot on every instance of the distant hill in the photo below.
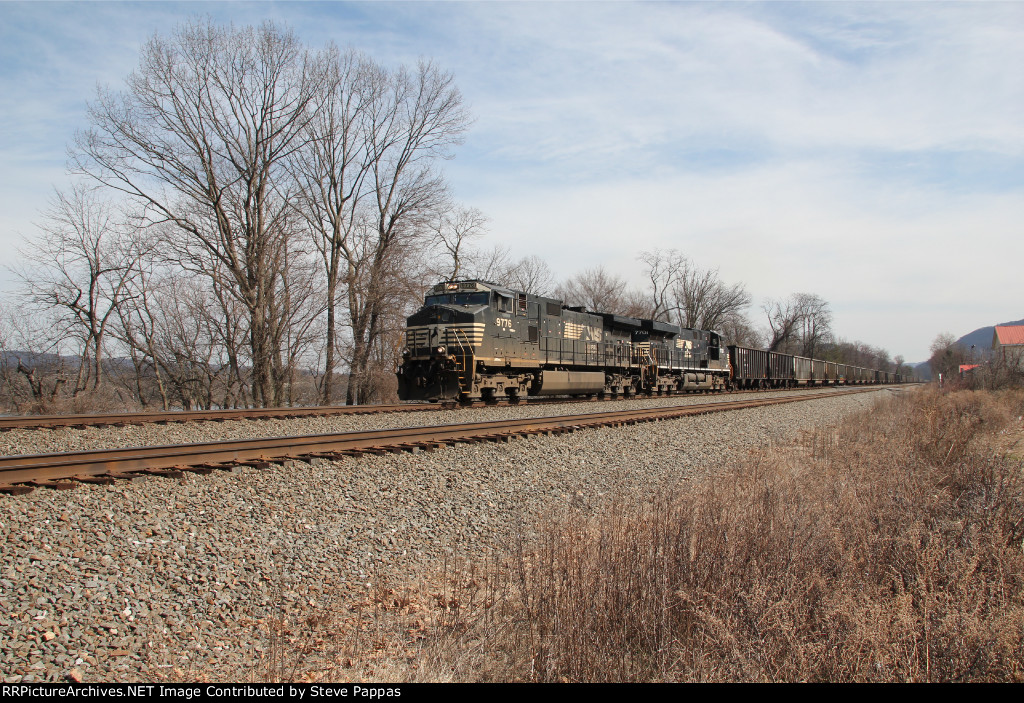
(30, 359)
(981, 338)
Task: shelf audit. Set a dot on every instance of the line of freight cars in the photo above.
(757, 368)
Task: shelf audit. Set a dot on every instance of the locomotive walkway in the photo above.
(21, 474)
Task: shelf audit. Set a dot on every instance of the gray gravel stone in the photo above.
(137, 578)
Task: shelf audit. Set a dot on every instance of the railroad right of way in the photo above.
(186, 578)
(22, 473)
(85, 438)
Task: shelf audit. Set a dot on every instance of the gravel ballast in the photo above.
(162, 578)
(70, 439)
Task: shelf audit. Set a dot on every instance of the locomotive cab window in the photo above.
(504, 303)
(521, 304)
(457, 299)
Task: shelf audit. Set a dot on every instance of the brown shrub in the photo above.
(889, 549)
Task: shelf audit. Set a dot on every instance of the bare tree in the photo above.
(799, 324)
(174, 333)
(883, 359)
(368, 191)
(737, 329)
(532, 275)
(31, 367)
(783, 318)
(453, 229)
(664, 270)
(947, 355)
(199, 138)
(596, 289)
(80, 266)
(331, 175)
(815, 326)
(493, 264)
(137, 330)
(410, 125)
(688, 295)
(864, 355)
(899, 363)
(702, 301)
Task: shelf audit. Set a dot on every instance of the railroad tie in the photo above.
(59, 485)
(204, 470)
(98, 480)
(410, 448)
(255, 463)
(163, 473)
(313, 456)
(15, 490)
(207, 468)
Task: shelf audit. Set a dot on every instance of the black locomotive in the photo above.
(475, 340)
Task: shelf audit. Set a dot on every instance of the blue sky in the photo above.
(872, 153)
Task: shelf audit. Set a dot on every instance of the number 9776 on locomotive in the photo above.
(474, 340)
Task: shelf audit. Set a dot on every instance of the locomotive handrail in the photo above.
(464, 379)
(457, 331)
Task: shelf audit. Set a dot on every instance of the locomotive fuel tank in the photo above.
(552, 382)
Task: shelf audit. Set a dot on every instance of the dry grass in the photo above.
(891, 549)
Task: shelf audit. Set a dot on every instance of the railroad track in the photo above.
(23, 473)
(144, 418)
(34, 422)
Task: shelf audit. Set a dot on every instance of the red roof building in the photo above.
(1008, 344)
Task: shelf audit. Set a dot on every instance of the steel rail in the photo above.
(143, 418)
(25, 422)
(21, 473)
(28, 422)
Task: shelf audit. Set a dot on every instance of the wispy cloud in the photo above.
(869, 152)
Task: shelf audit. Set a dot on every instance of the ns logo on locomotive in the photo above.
(474, 340)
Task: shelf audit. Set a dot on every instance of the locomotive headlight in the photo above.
(440, 350)
(406, 352)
